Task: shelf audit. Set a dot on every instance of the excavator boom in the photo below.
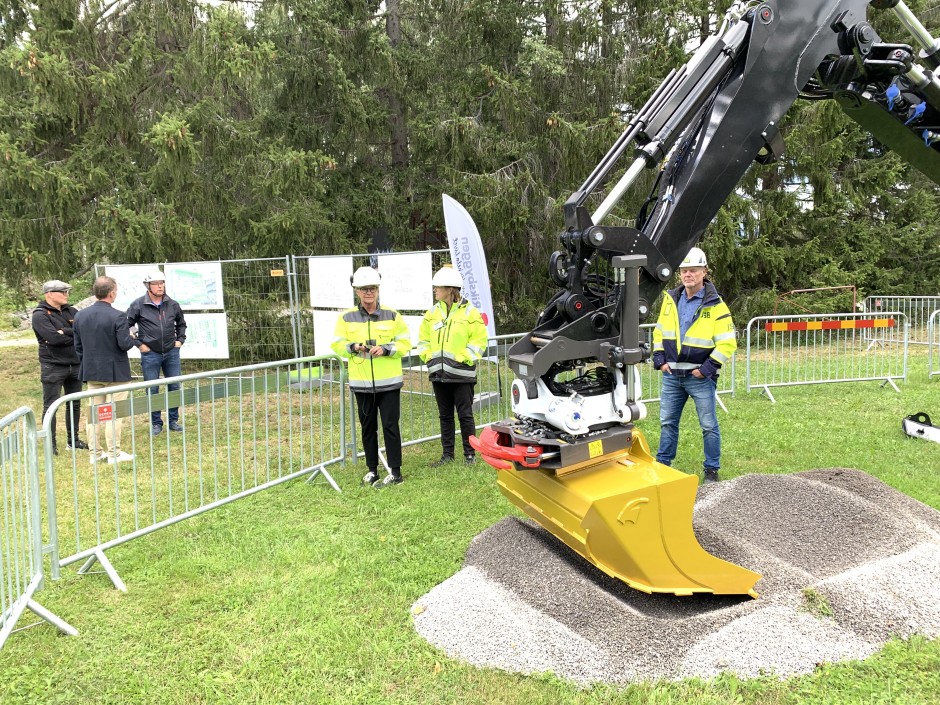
(571, 457)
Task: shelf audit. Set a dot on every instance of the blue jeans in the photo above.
(676, 391)
(151, 363)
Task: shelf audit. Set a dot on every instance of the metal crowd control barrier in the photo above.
(820, 348)
(244, 429)
(933, 344)
(916, 308)
(21, 571)
(419, 415)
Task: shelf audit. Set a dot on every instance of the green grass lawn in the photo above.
(302, 595)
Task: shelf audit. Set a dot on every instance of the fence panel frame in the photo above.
(21, 561)
(933, 344)
(916, 308)
(232, 376)
(863, 337)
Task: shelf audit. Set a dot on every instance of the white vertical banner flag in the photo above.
(466, 252)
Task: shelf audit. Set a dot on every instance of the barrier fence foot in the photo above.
(721, 403)
(108, 568)
(890, 381)
(320, 470)
(766, 390)
(12, 615)
(384, 462)
(55, 621)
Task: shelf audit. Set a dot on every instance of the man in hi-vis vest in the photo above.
(693, 338)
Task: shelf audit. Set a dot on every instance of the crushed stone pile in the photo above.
(847, 563)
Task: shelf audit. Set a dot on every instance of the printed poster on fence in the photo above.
(406, 281)
(130, 281)
(195, 286)
(330, 285)
(206, 338)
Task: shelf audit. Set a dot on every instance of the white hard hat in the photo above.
(447, 276)
(154, 275)
(695, 258)
(365, 276)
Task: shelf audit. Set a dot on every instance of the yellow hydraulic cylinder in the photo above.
(631, 517)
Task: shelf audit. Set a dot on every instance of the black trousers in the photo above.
(459, 395)
(388, 404)
(54, 379)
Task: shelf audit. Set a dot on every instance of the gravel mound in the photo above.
(847, 563)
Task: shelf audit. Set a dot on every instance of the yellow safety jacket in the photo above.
(384, 327)
(708, 344)
(451, 342)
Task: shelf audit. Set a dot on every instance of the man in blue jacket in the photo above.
(102, 340)
(161, 332)
(693, 338)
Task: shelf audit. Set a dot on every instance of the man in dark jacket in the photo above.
(58, 361)
(102, 340)
(161, 332)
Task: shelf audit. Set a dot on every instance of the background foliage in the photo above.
(135, 131)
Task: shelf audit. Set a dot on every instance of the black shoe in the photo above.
(711, 476)
(370, 478)
(77, 444)
(176, 426)
(156, 429)
(388, 481)
(470, 459)
(55, 449)
(444, 460)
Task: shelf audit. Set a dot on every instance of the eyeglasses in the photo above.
(368, 289)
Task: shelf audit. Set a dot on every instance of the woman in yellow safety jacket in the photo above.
(374, 340)
(451, 340)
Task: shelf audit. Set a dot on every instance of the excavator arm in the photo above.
(571, 454)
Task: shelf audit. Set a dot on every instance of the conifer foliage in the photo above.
(171, 130)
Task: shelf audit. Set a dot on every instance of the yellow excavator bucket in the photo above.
(631, 517)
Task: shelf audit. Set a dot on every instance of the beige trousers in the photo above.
(112, 428)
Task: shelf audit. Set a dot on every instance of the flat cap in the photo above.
(55, 285)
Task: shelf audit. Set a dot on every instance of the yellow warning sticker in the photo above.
(595, 448)
(277, 272)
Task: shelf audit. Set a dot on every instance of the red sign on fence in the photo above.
(105, 413)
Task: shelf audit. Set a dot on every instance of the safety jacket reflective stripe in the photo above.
(709, 342)
(451, 342)
(385, 327)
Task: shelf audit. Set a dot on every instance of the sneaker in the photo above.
(176, 426)
(711, 476)
(156, 429)
(470, 459)
(77, 444)
(388, 481)
(444, 460)
(370, 478)
(97, 458)
(121, 457)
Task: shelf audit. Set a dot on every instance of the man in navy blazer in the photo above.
(102, 339)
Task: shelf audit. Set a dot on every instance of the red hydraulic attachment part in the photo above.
(496, 449)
